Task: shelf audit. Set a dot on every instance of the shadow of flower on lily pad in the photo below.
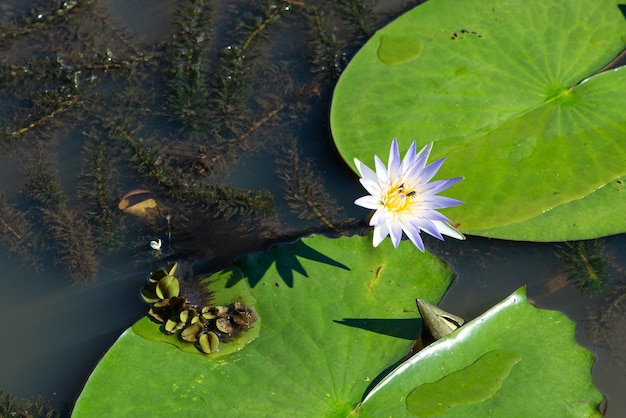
(285, 257)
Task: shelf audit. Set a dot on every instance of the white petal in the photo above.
(380, 232)
(393, 164)
(440, 185)
(372, 187)
(430, 214)
(365, 171)
(368, 202)
(381, 172)
(422, 156)
(409, 160)
(448, 230)
(430, 228)
(440, 202)
(395, 232)
(413, 232)
(431, 169)
(378, 218)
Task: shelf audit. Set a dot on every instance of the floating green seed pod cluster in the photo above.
(207, 327)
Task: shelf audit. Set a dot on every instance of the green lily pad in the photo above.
(475, 383)
(595, 215)
(512, 95)
(514, 359)
(398, 50)
(336, 314)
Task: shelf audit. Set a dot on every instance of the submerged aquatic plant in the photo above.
(404, 200)
(72, 236)
(585, 265)
(175, 116)
(17, 234)
(35, 407)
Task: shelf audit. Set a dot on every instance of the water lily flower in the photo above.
(156, 245)
(404, 200)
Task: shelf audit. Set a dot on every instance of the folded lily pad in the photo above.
(514, 360)
(335, 315)
(514, 96)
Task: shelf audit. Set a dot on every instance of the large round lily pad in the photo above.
(335, 314)
(513, 95)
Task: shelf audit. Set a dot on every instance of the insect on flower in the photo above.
(404, 199)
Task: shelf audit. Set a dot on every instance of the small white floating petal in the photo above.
(156, 245)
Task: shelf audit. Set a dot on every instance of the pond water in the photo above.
(86, 120)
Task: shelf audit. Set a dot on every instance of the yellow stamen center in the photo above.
(397, 198)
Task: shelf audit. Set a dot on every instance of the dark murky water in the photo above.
(55, 331)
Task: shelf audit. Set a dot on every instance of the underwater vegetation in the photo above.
(18, 235)
(586, 265)
(175, 116)
(34, 407)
